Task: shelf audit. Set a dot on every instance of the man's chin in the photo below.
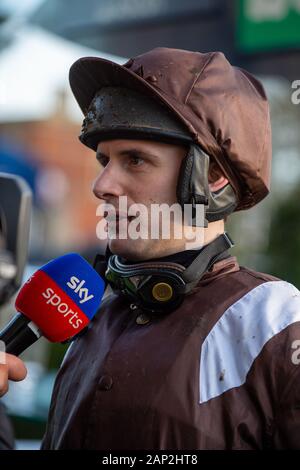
(133, 250)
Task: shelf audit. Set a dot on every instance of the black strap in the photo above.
(207, 257)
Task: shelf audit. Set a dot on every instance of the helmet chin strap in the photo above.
(159, 287)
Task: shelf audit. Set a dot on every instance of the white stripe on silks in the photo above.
(237, 338)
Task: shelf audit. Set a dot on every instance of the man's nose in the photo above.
(108, 184)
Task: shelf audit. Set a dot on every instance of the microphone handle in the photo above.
(13, 328)
(19, 334)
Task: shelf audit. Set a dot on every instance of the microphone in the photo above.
(58, 301)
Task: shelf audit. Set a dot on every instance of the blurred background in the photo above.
(40, 123)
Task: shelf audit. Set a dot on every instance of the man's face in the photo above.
(146, 172)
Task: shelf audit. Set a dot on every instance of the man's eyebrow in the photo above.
(130, 152)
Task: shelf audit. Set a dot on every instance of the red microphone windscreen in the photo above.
(62, 297)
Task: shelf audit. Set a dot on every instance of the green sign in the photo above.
(268, 24)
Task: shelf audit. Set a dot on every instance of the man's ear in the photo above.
(216, 179)
(218, 184)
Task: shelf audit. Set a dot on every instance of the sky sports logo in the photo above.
(77, 285)
(63, 307)
(62, 297)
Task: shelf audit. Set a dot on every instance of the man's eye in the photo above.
(136, 161)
